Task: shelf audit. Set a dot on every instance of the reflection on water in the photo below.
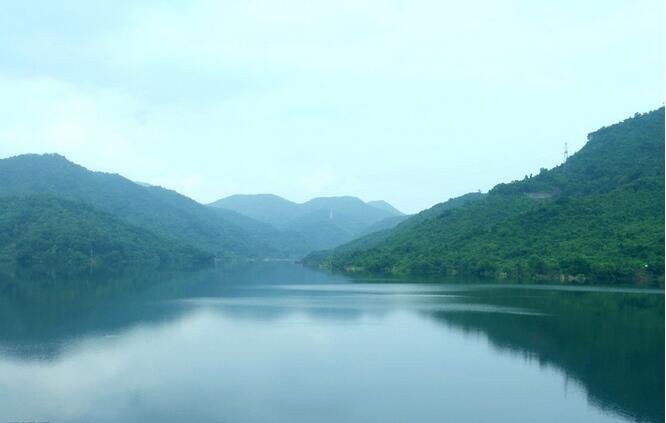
(277, 342)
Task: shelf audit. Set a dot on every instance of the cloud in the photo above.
(295, 96)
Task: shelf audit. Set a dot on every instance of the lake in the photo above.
(276, 342)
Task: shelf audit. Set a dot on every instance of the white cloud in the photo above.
(297, 96)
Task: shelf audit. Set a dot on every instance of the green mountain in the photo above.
(319, 223)
(165, 213)
(49, 235)
(599, 217)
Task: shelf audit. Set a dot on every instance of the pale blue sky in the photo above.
(408, 101)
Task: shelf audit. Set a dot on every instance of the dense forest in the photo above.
(52, 236)
(598, 217)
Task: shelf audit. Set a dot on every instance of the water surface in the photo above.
(277, 342)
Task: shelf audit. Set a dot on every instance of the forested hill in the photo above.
(52, 236)
(165, 213)
(599, 217)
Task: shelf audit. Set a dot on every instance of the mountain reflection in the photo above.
(612, 343)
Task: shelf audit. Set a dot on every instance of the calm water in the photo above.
(279, 343)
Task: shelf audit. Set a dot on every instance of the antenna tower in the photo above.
(566, 152)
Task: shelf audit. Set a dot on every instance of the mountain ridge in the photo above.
(324, 222)
(597, 217)
(164, 212)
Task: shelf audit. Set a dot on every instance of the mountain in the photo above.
(598, 217)
(376, 234)
(266, 208)
(163, 212)
(52, 236)
(320, 223)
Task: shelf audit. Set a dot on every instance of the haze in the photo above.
(410, 102)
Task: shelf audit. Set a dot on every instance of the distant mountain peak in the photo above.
(51, 157)
(324, 221)
(54, 161)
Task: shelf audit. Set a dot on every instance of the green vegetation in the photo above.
(51, 236)
(54, 212)
(163, 212)
(223, 232)
(599, 217)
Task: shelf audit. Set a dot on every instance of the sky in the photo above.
(412, 102)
